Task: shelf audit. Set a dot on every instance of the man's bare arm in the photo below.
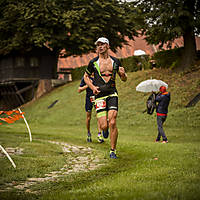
(81, 89)
(122, 74)
(90, 84)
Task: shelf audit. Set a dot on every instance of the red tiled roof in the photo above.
(125, 51)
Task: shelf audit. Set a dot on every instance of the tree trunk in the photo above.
(189, 51)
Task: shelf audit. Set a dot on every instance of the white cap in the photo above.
(103, 40)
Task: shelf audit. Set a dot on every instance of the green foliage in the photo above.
(168, 58)
(78, 73)
(167, 20)
(135, 63)
(131, 63)
(69, 25)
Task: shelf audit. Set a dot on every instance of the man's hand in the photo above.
(95, 90)
(122, 74)
(81, 89)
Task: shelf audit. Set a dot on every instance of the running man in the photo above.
(89, 103)
(105, 68)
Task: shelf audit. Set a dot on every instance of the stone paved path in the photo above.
(81, 159)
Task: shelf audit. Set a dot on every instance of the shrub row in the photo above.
(168, 58)
(131, 64)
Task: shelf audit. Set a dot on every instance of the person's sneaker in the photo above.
(165, 141)
(113, 154)
(157, 140)
(100, 139)
(105, 133)
(89, 139)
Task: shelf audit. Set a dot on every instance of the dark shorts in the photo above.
(88, 105)
(104, 104)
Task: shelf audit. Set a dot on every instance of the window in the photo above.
(6, 63)
(19, 62)
(34, 62)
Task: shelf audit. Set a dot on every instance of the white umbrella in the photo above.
(151, 85)
(139, 52)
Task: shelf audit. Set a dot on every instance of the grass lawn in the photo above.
(60, 164)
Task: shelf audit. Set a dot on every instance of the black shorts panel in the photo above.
(88, 105)
(112, 103)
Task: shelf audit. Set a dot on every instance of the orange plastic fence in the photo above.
(10, 116)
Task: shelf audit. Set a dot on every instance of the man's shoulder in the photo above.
(82, 82)
(162, 97)
(167, 94)
(114, 58)
(94, 59)
(90, 68)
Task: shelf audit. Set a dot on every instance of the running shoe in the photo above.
(165, 141)
(105, 133)
(113, 154)
(89, 139)
(100, 139)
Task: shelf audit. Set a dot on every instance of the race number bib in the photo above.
(100, 104)
(92, 99)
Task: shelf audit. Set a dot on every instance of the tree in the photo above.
(167, 20)
(69, 25)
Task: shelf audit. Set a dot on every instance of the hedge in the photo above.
(163, 59)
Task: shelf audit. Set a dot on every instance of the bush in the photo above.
(163, 59)
(135, 63)
(78, 73)
(131, 64)
(168, 58)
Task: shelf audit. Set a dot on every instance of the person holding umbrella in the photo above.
(162, 101)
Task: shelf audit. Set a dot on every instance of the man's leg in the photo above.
(101, 109)
(100, 138)
(102, 121)
(160, 121)
(159, 124)
(163, 132)
(112, 105)
(88, 119)
(88, 109)
(98, 126)
(112, 116)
